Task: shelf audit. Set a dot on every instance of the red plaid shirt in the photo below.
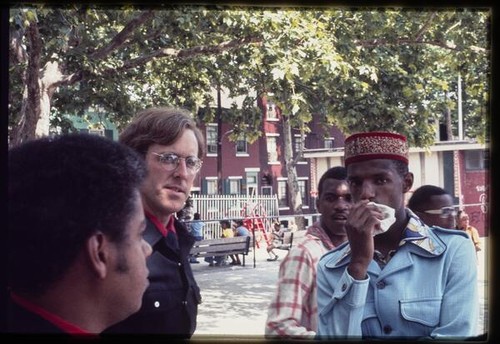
(293, 311)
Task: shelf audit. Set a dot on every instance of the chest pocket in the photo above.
(422, 311)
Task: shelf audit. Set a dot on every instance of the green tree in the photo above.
(359, 69)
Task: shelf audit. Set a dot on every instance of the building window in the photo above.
(303, 191)
(241, 146)
(266, 190)
(475, 160)
(211, 186)
(271, 111)
(251, 183)
(297, 142)
(212, 139)
(272, 149)
(252, 178)
(329, 141)
(99, 132)
(234, 186)
(282, 194)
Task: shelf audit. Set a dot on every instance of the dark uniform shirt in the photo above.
(170, 303)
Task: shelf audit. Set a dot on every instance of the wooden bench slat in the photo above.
(221, 247)
(223, 241)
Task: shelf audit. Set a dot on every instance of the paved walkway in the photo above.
(235, 298)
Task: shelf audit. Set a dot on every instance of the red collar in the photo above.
(54, 319)
(164, 230)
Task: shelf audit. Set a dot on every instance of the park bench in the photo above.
(287, 239)
(285, 242)
(221, 247)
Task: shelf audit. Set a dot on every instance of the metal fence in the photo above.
(215, 208)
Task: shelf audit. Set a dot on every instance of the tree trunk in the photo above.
(291, 171)
(34, 119)
(30, 109)
(51, 76)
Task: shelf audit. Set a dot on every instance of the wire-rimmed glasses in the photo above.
(170, 162)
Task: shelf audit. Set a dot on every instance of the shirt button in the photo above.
(387, 329)
(380, 284)
(157, 304)
(184, 303)
(344, 287)
(180, 264)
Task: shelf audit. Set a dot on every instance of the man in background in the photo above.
(434, 206)
(463, 224)
(196, 230)
(293, 312)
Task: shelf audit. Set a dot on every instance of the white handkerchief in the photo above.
(389, 217)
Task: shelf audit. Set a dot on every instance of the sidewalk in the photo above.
(235, 298)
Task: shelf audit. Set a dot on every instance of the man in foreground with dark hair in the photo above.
(77, 258)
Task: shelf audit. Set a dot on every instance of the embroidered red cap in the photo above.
(375, 145)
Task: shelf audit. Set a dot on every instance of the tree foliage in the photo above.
(361, 69)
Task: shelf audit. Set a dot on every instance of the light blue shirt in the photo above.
(428, 289)
(197, 228)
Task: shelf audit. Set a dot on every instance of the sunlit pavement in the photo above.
(235, 298)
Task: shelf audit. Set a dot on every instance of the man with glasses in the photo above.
(434, 206)
(172, 147)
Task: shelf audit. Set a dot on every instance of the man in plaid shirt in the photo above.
(293, 311)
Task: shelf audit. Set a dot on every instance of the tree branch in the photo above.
(120, 38)
(190, 52)
(426, 26)
(381, 42)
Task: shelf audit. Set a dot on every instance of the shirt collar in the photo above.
(164, 230)
(416, 233)
(64, 325)
(316, 230)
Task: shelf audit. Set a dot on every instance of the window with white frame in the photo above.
(271, 111)
(303, 191)
(329, 141)
(235, 186)
(282, 194)
(211, 186)
(251, 182)
(272, 149)
(212, 139)
(241, 145)
(297, 142)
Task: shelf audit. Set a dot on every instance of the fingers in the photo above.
(363, 218)
(360, 227)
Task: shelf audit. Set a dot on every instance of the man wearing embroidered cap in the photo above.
(404, 281)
